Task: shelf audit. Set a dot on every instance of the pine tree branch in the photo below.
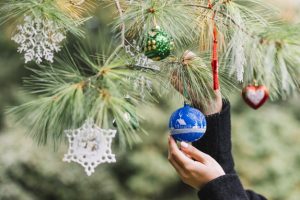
(139, 20)
(116, 51)
(226, 16)
(12, 11)
(118, 5)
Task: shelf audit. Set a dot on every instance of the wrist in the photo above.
(210, 109)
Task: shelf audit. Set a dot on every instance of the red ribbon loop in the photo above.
(214, 63)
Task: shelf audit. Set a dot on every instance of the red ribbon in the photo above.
(214, 62)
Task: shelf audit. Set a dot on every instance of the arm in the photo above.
(217, 140)
(205, 173)
(217, 143)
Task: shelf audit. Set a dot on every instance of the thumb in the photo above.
(193, 152)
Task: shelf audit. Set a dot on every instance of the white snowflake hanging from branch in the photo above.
(90, 146)
(38, 39)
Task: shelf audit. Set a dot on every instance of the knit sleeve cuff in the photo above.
(223, 188)
(223, 113)
(217, 139)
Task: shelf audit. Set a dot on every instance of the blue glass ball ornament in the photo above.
(187, 124)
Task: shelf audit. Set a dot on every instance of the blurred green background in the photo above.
(266, 146)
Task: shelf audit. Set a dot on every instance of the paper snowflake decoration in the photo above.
(90, 146)
(38, 39)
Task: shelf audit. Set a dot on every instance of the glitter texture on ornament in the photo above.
(255, 95)
(38, 39)
(158, 44)
(90, 146)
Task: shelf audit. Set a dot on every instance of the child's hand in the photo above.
(194, 167)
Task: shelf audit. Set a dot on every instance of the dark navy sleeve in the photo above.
(217, 143)
(217, 140)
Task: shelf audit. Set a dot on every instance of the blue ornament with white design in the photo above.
(187, 124)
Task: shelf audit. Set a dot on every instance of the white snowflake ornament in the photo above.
(38, 39)
(90, 146)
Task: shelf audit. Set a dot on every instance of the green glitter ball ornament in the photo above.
(158, 44)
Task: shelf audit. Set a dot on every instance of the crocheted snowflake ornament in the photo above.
(90, 146)
(38, 38)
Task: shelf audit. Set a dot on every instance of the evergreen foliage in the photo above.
(254, 46)
(265, 142)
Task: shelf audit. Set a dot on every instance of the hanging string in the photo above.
(185, 92)
(154, 21)
(215, 62)
(255, 78)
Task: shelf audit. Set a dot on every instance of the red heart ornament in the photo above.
(255, 96)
